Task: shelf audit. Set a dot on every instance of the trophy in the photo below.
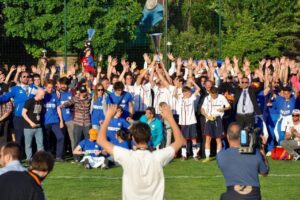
(44, 51)
(156, 37)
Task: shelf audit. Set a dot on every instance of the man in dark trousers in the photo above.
(27, 185)
(241, 170)
(245, 104)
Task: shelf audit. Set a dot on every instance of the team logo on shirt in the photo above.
(96, 146)
(123, 101)
(119, 124)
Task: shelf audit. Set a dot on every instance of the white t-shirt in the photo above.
(288, 123)
(187, 110)
(211, 105)
(162, 95)
(142, 97)
(143, 176)
(129, 89)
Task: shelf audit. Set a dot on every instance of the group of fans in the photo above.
(64, 109)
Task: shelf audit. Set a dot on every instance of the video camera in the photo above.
(250, 140)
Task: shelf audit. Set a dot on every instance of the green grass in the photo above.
(184, 180)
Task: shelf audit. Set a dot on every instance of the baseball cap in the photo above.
(93, 134)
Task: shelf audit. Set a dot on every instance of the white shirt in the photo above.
(288, 123)
(187, 110)
(143, 176)
(161, 95)
(129, 89)
(211, 105)
(142, 97)
(248, 107)
(174, 104)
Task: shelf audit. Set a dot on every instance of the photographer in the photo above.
(241, 170)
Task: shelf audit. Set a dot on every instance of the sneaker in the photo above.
(196, 158)
(206, 160)
(296, 157)
(269, 153)
(86, 164)
(183, 158)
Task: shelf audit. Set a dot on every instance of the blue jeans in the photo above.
(60, 139)
(28, 135)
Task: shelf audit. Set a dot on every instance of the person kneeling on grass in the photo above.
(93, 153)
(143, 176)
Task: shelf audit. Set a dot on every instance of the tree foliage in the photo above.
(40, 23)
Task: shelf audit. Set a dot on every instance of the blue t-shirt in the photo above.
(20, 95)
(156, 128)
(122, 101)
(123, 144)
(32, 90)
(90, 147)
(50, 103)
(66, 112)
(241, 169)
(97, 112)
(285, 107)
(114, 125)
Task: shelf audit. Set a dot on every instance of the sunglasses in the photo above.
(25, 76)
(100, 89)
(245, 82)
(295, 115)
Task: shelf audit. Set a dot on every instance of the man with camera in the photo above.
(241, 170)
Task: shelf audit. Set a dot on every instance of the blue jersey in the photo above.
(122, 101)
(20, 95)
(123, 144)
(90, 147)
(156, 128)
(114, 125)
(97, 112)
(285, 107)
(66, 112)
(32, 90)
(50, 103)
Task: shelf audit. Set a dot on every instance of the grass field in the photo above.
(184, 180)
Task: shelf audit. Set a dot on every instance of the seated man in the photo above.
(92, 152)
(292, 135)
(27, 185)
(10, 158)
(155, 125)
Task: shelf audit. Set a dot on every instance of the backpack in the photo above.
(279, 153)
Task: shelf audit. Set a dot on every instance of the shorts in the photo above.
(214, 129)
(189, 131)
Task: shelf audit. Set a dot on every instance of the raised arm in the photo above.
(166, 113)
(12, 69)
(102, 135)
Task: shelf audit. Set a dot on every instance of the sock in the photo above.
(183, 151)
(207, 153)
(195, 150)
(218, 150)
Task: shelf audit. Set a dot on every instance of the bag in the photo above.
(279, 153)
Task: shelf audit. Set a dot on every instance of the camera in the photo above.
(250, 140)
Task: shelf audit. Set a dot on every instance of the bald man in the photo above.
(32, 127)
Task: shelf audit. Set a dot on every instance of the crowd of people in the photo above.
(62, 108)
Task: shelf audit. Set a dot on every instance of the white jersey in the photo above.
(161, 95)
(288, 123)
(211, 105)
(174, 104)
(129, 89)
(143, 176)
(187, 110)
(142, 97)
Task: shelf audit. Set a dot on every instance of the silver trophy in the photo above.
(156, 37)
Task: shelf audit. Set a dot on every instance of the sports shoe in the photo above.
(183, 158)
(196, 158)
(296, 157)
(269, 153)
(206, 160)
(86, 164)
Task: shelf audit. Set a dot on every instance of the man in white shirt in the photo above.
(213, 109)
(143, 176)
(292, 135)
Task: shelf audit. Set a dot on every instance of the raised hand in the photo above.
(171, 57)
(165, 111)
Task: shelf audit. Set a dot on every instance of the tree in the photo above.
(39, 23)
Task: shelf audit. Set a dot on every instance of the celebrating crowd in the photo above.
(65, 109)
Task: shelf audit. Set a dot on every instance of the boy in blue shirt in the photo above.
(121, 98)
(92, 152)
